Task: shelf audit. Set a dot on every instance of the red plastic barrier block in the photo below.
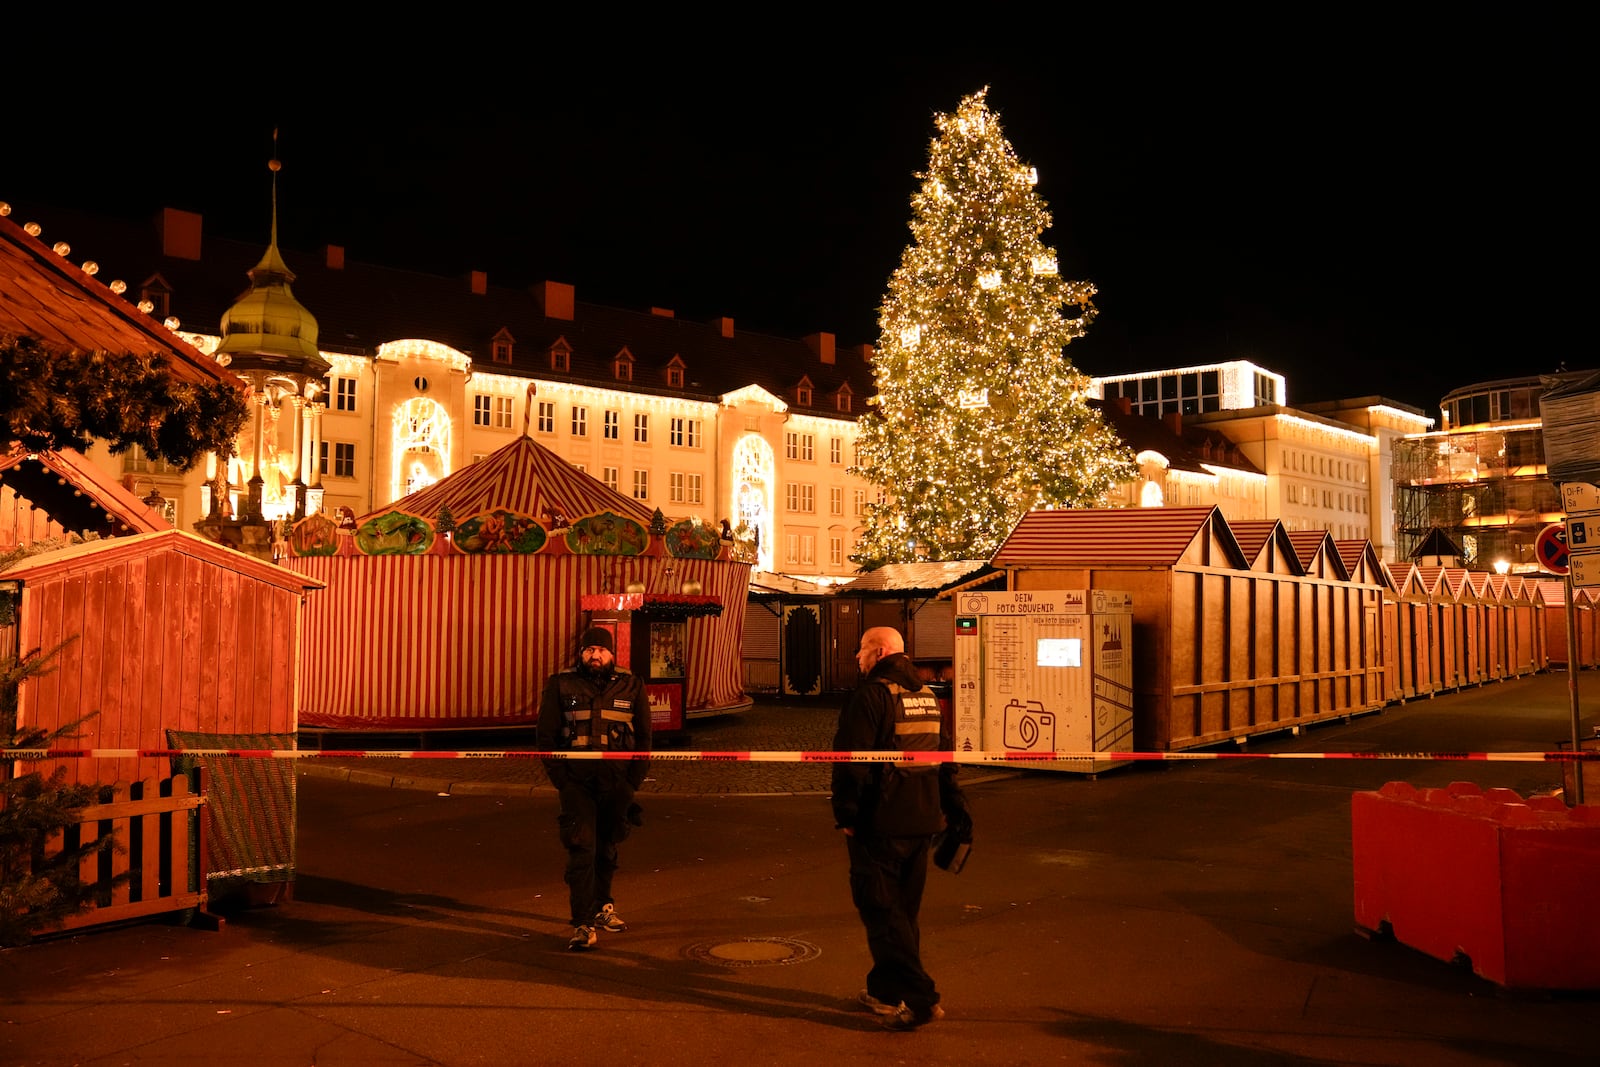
(1505, 883)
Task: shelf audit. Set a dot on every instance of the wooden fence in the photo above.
(158, 842)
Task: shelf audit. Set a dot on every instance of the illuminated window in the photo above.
(341, 393)
(502, 412)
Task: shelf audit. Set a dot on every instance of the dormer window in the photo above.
(159, 293)
(622, 366)
(561, 357)
(842, 399)
(675, 373)
(802, 392)
(500, 347)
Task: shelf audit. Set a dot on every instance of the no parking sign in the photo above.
(1550, 548)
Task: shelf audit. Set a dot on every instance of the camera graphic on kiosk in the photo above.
(1029, 728)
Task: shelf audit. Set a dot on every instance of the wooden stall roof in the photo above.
(525, 478)
(1360, 561)
(1405, 581)
(113, 550)
(1318, 555)
(1135, 537)
(1436, 580)
(895, 579)
(50, 297)
(75, 494)
(1265, 543)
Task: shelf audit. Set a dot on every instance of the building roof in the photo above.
(77, 495)
(360, 307)
(525, 478)
(114, 550)
(1154, 537)
(52, 297)
(1185, 446)
(916, 577)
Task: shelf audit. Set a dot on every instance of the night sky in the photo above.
(1366, 216)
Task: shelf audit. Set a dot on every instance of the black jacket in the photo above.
(579, 713)
(886, 799)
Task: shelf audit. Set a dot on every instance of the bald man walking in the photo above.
(889, 814)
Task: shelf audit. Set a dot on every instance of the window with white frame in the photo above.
(675, 487)
(641, 429)
(613, 425)
(641, 485)
(800, 496)
(609, 476)
(861, 501)
(836, 551)
(580, 421)
(808, 549)
(684, 433)
(798, 445)
(547, 416)
(791, 548)
(480, 409)
(835, 451)
(692, 488)
(502, 412)
(341, 392)
(344, 459)
(835, 500)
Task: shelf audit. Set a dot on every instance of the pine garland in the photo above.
(51, 400)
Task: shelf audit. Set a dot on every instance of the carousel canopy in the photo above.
(525, 478)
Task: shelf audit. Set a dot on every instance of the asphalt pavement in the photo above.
(1195, 912)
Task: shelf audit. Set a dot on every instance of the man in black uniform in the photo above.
(595, 707)
(889, 814)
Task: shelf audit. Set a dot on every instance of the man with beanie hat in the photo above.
(594, 707)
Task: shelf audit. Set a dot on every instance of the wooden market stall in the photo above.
(1220, 650)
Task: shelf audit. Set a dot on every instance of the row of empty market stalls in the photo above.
(1249, 628)
(449, 609)
(1239, 628)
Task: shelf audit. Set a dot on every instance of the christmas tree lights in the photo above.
(979, 417)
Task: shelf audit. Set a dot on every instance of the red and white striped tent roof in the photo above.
(524, 478)
(1133, 536)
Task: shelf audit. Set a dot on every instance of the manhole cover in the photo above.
(753, 952)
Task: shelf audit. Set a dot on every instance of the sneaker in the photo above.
(903, 1018)
(583, 939)
(874, 1005)
(608, 920)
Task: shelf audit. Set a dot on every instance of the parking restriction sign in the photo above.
(1550, 547)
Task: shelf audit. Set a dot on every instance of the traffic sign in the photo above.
(1550, 548)
(1580, 497)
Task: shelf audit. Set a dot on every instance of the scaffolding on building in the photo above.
(1485, 489)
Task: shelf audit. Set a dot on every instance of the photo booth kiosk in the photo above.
(1045, 672)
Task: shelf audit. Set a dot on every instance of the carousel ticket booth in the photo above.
(654, 641)
(1045, 672)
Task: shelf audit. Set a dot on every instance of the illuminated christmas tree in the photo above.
(979, 417)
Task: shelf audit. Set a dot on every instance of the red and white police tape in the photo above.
(25, 754)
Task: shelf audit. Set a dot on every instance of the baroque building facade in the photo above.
(399, 378)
